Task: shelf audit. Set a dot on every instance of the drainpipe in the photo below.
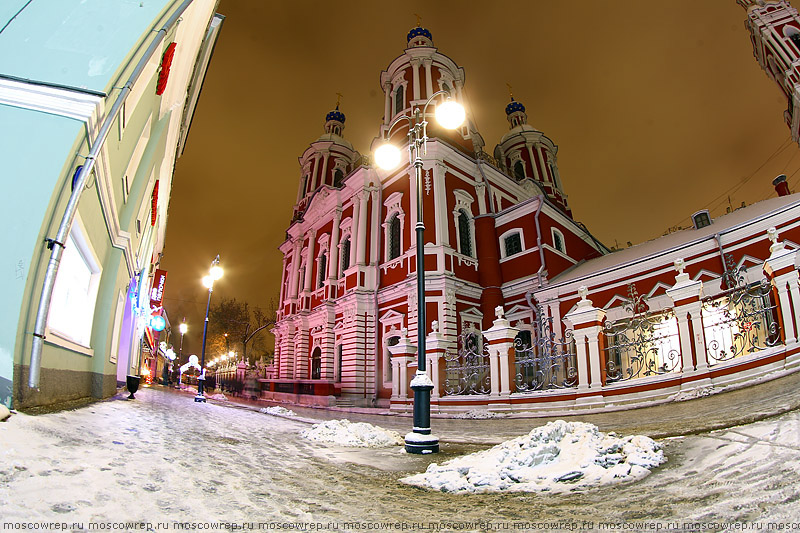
(56, 245)
(378, 355)
(539, 238)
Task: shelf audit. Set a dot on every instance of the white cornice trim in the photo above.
(51, 100)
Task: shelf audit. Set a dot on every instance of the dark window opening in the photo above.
(394, 237)
(316, 363)
(519, 171)
(399, 101)
(323, 263)
(338, 177)
(345, 255)
(464, 237)
(513, 244)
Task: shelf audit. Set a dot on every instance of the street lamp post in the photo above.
(214, 273)
(183, 328)
(450, 115)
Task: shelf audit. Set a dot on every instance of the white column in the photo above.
(586, 320)
(542, 167)
(324, 172)
(312, 234)
(779, 266)
(415, 69)
(387, 109)
(362, 228)
(295, 281)
(536, 175)
(440, 203)
(313, 176)
(428, 78)
(354, 229)
(334, 255)
(374, 229)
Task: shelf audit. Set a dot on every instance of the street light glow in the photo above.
(183, 328)
(450, 114)
(387, 156)
(216, 272)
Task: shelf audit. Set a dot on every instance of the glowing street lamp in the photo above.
(214, 273)
(450, 115)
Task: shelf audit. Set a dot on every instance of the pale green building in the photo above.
(109, 86)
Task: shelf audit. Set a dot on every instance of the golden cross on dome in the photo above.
(509, 91)
(338, 99)
(419, 20)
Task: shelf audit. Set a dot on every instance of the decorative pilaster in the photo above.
(361, 245)
(415, 70)
(688, 308)
(427, 62)
(501, 339)
(779, 268)
(402, 354)
(587, 322)
(435, 348)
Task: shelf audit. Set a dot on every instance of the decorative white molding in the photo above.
(52, 100)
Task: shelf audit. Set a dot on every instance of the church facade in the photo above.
(525, 308)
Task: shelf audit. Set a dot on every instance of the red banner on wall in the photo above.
(157, 292)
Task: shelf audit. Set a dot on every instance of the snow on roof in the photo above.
(357, 434)
(677, 239)
(558, 457)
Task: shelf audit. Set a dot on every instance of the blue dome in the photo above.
(514, 106)
(416, 32)
(335, 115)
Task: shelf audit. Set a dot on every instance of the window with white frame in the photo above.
(345, 254)
(399, 99)
(511, 243)
(75, 292)
(322, 267)
(393, 226)
(464, 223)
(558, 240)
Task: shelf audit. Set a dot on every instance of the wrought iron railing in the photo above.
(541, 361)
(467, 369)
(645, 344)
(740, 320)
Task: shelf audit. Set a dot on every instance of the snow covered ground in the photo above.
(557, 457)
(357, 434)
(163, 457)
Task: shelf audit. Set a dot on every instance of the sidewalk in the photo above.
(722, 410)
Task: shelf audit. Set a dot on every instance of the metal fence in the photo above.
(467, 369)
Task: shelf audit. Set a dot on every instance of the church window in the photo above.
(464, 234)
(338, 176)
(558, 240)
(394, 237)
(316, 363)
(399, 101)
(793, 34)
(345, 255)
(519, 171)
(701, 219)
(387, 359)
(512, 244)
(323, 263)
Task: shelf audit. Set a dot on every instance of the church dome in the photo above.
(419, 36)
(335, 115)
(514, 106)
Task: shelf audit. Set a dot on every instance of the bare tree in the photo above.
(242, 324)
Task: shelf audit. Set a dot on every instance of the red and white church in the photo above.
(526, 309)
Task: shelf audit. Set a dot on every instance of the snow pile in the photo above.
(358, 434)
(277, 410)
(700, 392)
(476, 414)
(218, 396)
(558, 457)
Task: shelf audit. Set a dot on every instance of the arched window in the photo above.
(793, 34)
(399, 101)
(558, 241)
(345, 254)
(316, 363)
(394, 237)
(338, 176)
(323, 264)
(464, 237)
(519, 171)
